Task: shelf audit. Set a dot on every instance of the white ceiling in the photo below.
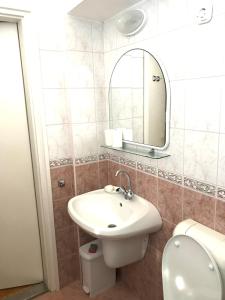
(99, 10)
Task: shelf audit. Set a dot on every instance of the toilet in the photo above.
(193, 264)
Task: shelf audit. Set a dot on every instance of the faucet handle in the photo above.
(121, 190)
(129, 194)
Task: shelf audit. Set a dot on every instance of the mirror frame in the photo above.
(168, 101)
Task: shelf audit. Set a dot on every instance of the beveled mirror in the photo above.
(139, 99)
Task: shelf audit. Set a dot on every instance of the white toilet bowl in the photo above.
(189, 269)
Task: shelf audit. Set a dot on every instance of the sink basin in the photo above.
(122, 225)
(109, 215)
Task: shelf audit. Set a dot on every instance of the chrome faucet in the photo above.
(128, 194)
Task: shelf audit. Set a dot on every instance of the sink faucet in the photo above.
(128, 194)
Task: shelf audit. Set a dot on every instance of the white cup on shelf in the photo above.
(109, 133)
(117, 138)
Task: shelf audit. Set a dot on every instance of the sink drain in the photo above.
(111, 225)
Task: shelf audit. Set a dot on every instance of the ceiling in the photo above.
(98, 10)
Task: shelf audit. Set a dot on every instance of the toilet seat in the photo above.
(189, 271)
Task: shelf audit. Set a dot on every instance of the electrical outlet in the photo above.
(205, 12)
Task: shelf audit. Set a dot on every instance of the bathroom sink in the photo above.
(109, 216)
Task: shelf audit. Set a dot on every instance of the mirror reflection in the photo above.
(138, 99)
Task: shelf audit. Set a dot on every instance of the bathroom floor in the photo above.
(11, 291)
(23, 292)
(74, 292)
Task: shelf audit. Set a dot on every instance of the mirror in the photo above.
(139, 100)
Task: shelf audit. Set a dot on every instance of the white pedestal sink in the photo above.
(122, 225)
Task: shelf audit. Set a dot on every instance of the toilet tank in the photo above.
(211, 239)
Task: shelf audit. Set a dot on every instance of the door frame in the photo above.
(38, 139)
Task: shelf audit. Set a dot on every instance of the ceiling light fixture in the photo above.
(131, 22)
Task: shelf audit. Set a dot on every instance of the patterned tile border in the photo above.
(60, 162)
(170, 176)
(103, 156)
(115, 158)
(193, 184)
(128, 162)
(200, 186)
(87, 159)
(221, 193)
(146, 168)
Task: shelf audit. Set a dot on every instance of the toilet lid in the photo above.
(189, 271)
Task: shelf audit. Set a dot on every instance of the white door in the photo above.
(20, 252)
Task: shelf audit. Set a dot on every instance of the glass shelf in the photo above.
(137, 150)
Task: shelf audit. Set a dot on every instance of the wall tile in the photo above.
(69, 270)
(102, 105)
(156, 292)
(221, 193)
(79, 70)
(109, 33)
(147, 161)
(159, 239)
(200, 155)
(202, 104)
(174, 163)
(56, 109)
(222, 110)
(86, 159)
(103, 173)
(218, 7)
(87, 178)
(206, 42)
(220, 216)
(110, 59)
(170, 201)
(52, 69)
(60, 162)
(171, 48)
(177, 103)
(128, 159)
(65, 173)
(199, 207)
(97, 37)
(175, 178)
(153, 262)
(84, 139)
(112, 179)
(59, 141)
(66, 242)
(82, 105)
(221, 161)
(142, 275)
(170, 14)
(200, 186)
(146, 168)
(147, 187)
(78, 34)
(100, 127)
(99, 74)
(61, 216)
